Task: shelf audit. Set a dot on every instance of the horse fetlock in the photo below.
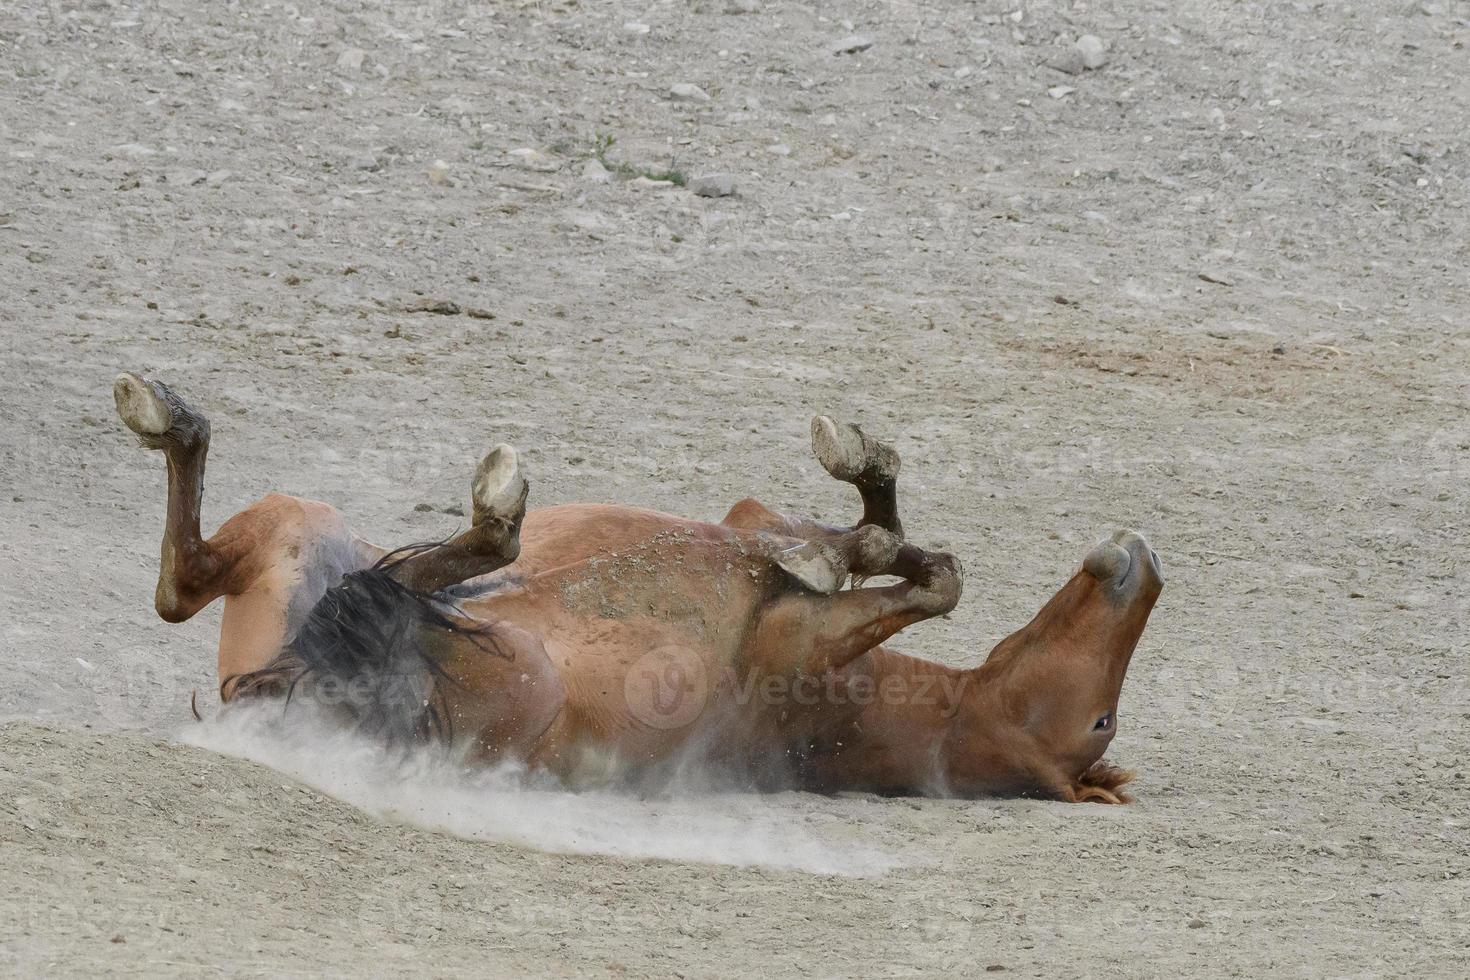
(158, 417)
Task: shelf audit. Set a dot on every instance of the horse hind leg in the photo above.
(191, 573)
(271, 562)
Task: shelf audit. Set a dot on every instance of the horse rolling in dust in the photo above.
(590, 639)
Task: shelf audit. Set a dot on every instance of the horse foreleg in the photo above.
(849, 455)
(811, 634)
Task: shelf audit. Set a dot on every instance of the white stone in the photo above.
(1094, 53)
(687, 92)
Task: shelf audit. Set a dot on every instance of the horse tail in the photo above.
(371, 651)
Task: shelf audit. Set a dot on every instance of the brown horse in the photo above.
(590, 640)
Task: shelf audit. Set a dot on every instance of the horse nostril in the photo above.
(1107, 561)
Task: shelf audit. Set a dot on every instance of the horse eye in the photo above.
(1104, 723)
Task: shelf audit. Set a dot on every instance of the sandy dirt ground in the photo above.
(1214, 289)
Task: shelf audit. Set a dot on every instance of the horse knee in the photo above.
(874, 550)
(944, 580)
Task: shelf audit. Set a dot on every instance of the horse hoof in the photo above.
(141, 410)
(157, 416)
(849, 455)
(814, 566)
(499, 490)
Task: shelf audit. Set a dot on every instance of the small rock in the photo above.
(1196, 923)
(476, 313)
(742, 6)
(1091, 48)
(594, 171)
(529, 158)
(443, 307)
(1216, 277)
(963, 72)
(351, 59)
(438, 174)
(713, 185)
(1279, 349)
(852, 44)
(1069, 62)
(424, 508)
(687, 92)
(779, 150)
(635, 27)
(1060, 91)
(453, 510)
(366, 161)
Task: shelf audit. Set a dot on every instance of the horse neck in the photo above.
(958, 720)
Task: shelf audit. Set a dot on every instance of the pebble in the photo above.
(635, 27)
(351, 59)
(366, 161)
(438, 173)
(713, 185)
(594, 171)
(963, 72)
(779, 150)
(1094, 54)
(852, 44)
(1069, 62)
(1060, 91)
(687, 92)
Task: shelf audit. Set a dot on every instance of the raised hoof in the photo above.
(499, 490)
(159, 418)
(815, 566)
(851, 456)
